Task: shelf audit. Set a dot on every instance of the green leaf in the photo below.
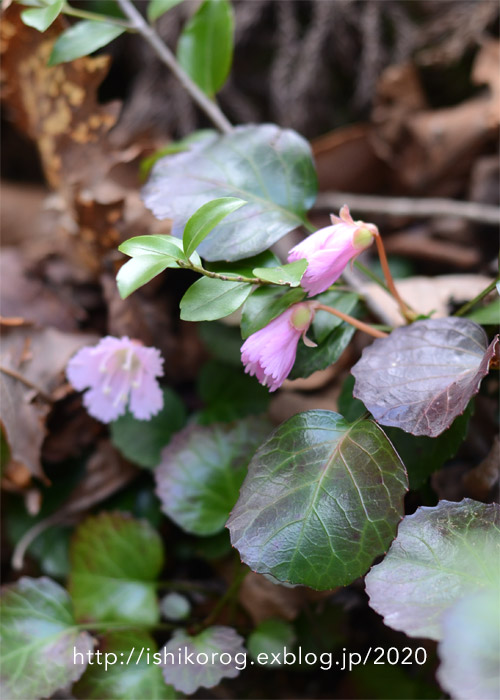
(440, 555)
(151, 255)
(228, 393)
(163, 246)
(137, 272)
(245, 267)
(321, 500)
(205, 219)
(331, 334)
(205, 48)
(270, 637)
(81, 39)
(41, 18)
(39, 638)
(421, 455)
(157, 8)
(142, 441)
(213, 642)
(201, 472)
(209, 299)
(128, 670)
(265, 304)
(487, 315)
(470, 648)
(271, 168)
(222, 341)
(115, 561)
(291, 273)
(174, 147)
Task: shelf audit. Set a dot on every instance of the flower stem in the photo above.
(228, 596)
(210, 107)
(353, 321)
(406, 312)
(463, 309)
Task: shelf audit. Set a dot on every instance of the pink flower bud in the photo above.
(329, 250)
(115, 370)
(269, 353)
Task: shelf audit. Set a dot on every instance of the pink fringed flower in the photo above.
(329, 250)
(269, 354)
(115, 370)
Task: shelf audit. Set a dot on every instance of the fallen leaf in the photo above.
(32, 362)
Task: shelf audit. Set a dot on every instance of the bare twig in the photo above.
(27, 382)
(210, 108)
(407, 206)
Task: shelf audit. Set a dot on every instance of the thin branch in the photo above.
(463, 309)
(27, 382)
(353, 321)
(210, 108)
(407, 206)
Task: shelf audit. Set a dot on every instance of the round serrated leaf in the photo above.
(440, 555)
(206, 669)
(201, 471)
(270, 637)
(128, 670)
(142, 441)
(422, 376)
(115, 560)
(269, 167)
(321, 500)
(39, 637)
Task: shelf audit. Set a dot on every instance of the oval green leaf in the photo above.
(83, 38)
(321, 500)
(265, 304)
(157, 8)
(42, 17)
(290, 274)
(115, 560)
(205, 48)
(205, 219)
(440, 555)
(209, 299)
(39, 637)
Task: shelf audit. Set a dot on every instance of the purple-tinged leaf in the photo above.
(216, 653)
(270, 168)
(440, 555)
(423, 376)
(42, 649)
(470, 649)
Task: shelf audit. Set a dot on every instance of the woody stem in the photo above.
(353, 321)
(407, 313)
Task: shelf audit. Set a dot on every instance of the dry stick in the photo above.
(27, 382)
(210, 108)
(407, 314)
(353, 321)
(406, 206)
